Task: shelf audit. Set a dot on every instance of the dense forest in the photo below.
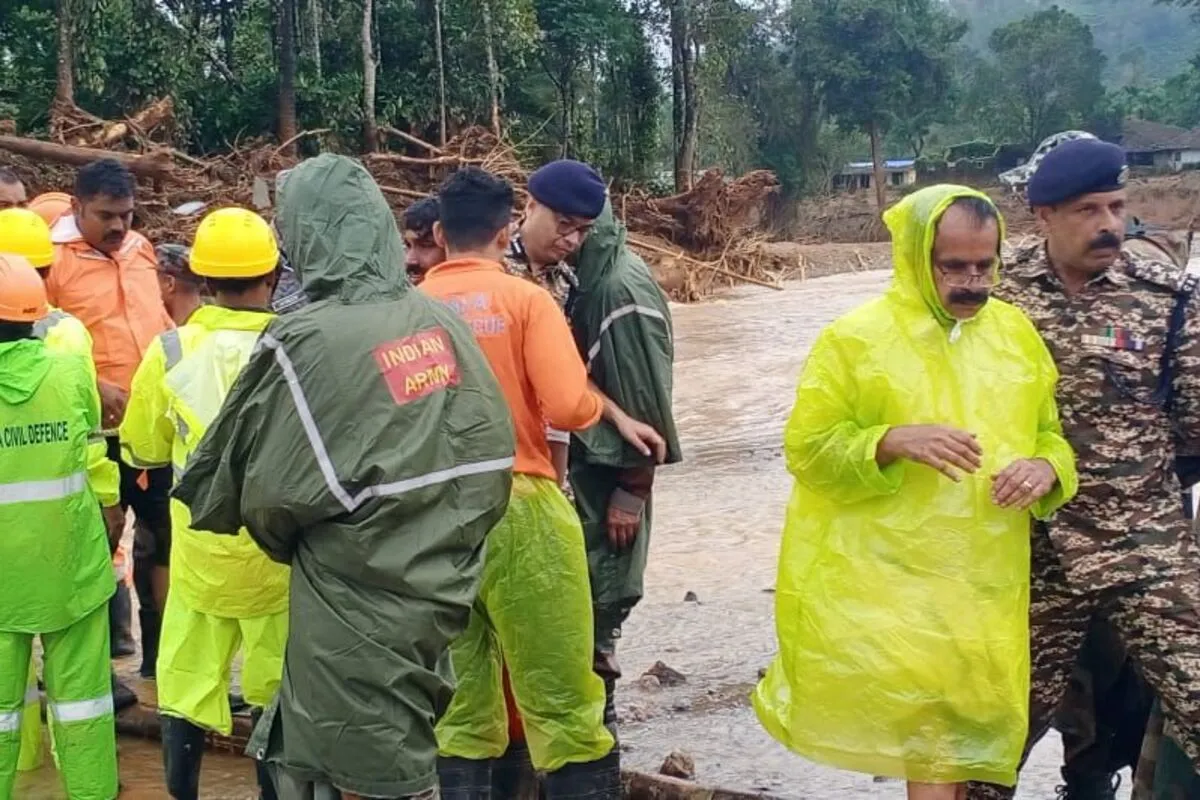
(649, 90)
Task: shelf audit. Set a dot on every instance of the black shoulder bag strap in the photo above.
(1187, 468)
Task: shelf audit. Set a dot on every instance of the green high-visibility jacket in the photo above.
(54, 547)
(367, 444)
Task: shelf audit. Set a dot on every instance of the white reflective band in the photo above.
(623, 311)
(36, 491)
(349, 502)
(82, 710)
(9, 721)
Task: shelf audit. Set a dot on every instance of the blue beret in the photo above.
(1075, 168)
(569, 187)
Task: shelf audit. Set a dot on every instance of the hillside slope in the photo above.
(1143, 41)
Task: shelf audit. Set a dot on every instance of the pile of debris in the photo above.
(696, 242)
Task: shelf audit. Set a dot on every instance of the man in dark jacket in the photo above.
(367, 445)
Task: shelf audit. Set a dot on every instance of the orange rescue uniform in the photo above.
(527, 341)
(115, 296)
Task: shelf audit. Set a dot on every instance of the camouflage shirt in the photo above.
(558, 279)
(1126, 524)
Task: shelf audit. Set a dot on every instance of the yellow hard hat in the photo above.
(234, 243)
(26, 234)
(22, 293)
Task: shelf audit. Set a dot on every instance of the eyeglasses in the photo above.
(962, 273)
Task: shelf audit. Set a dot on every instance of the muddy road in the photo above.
(718, 518)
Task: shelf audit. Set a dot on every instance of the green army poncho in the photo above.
(622, 326)
(367, 445)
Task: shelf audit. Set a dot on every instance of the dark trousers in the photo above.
(1158, 623)
(147, 492)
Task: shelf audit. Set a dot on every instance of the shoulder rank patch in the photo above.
(417, 365)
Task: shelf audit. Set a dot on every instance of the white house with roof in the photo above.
(861, 174)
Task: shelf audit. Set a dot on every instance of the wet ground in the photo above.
(717, 524)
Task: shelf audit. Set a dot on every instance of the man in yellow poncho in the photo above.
(925, 433)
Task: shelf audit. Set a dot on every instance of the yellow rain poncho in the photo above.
(902, 600)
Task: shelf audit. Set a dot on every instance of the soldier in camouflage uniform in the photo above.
(1122, 550)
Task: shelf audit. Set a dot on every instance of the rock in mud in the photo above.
(666, 675)
(679, 765)
(691, 597)
(649, 683)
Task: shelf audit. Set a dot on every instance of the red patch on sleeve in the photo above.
(417, 365)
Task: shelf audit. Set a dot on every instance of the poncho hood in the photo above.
(601, 250)
(23, 367)
(913, 225)
(339, 232)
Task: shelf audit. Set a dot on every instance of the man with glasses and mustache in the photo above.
(1122, 550)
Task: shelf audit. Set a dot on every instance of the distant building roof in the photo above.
(904, 163)
(1142, 136)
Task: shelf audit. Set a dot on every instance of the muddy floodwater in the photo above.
(718, 518)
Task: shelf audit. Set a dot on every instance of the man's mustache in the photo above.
(1105, 241)
(969, 297)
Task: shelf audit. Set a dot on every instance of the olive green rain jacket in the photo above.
(367, 445)
(622, 326)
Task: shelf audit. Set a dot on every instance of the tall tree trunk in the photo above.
(441, 68)
(64, 86)
(227, 33)
(370, 133)
(877, 164)
(287, 75)
(493, 68)
(568, 123)
(684, 99)
(314, 35)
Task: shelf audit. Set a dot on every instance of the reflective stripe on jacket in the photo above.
(63, 333)
(54, 547)
(176, 393)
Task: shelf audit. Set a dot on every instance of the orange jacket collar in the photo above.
(465, 265)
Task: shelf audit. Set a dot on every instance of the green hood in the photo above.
(339, 232)
(600, 250)
(913, 225)
(23, 367)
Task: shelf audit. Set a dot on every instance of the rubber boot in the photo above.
(1089, 787)
(266, 784)
(183, 753)
(596, 780)
(465, 779)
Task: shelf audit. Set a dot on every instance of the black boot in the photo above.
(1089, 787)
(597, 780)
(183, 752)
(465, 778)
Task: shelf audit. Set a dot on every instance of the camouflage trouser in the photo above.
(1159, 624)
(291, 786)
(1164, 771)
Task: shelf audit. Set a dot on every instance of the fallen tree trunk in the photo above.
(156, 165)
(644, 786)
(440, 161)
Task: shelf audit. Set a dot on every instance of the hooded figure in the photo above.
(622, 326)
(367, 445)
(924, 435)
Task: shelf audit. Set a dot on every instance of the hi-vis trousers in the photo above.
(79, 691)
